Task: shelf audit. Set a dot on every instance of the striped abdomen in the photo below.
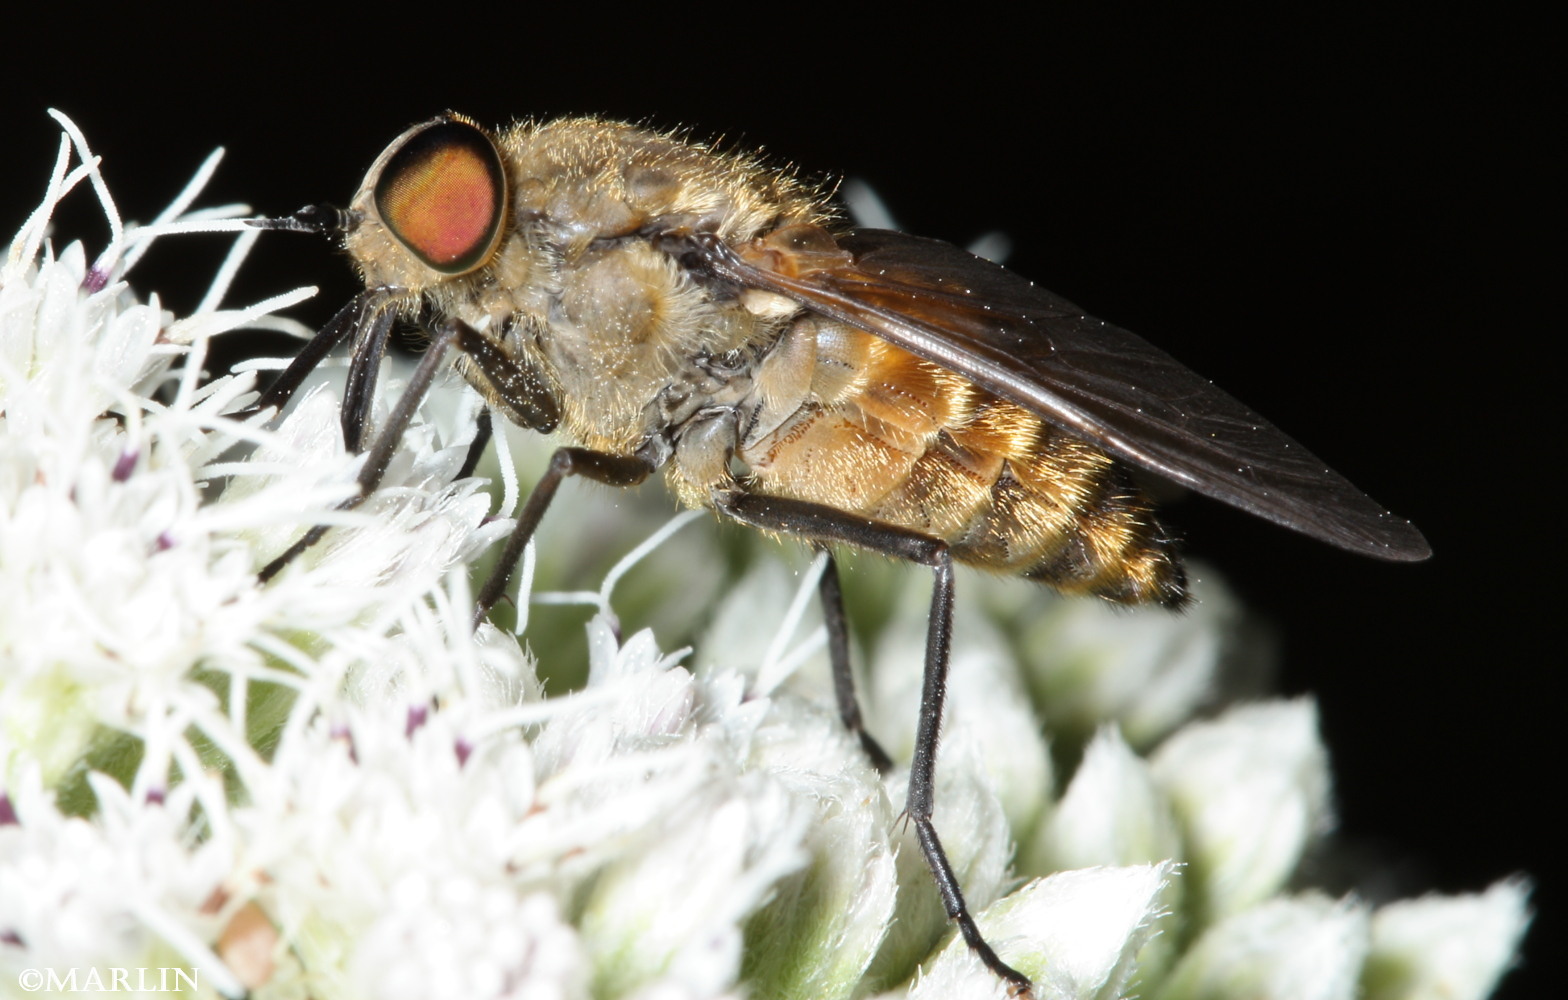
(891, 436)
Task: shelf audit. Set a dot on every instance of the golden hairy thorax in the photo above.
(637, 348)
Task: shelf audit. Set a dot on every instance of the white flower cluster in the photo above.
(325, 786)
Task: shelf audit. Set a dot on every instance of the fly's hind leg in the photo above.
(825, 526)
(832, 597)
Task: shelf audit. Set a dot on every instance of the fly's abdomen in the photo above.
(893, 437)
(1023, 497)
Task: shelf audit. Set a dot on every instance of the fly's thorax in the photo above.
(742, 393)
(591, 180)
(636, 345)
(628, 327)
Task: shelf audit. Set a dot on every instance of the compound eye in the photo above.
(442, 193)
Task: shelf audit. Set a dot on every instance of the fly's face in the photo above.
(433, 225)
(434, 206)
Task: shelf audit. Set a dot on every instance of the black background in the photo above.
(1342, 221)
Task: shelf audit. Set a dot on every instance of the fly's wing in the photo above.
(1091, 379)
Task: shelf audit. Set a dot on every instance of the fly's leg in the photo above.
(380, 454)
(827, 525)
(833, 619)
(525, 397)
(364, 368)
(476, 447)
(351, 319)
(601, 467)
(519, 389)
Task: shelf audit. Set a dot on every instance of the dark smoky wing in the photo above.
(1091, 379)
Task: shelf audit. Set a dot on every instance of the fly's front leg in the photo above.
(364, 370)
(827, 525)
(476, 448)
(380, 454)
(508, 381)
(511, 384)
(349, 320)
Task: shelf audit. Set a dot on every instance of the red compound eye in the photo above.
(442, 193)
